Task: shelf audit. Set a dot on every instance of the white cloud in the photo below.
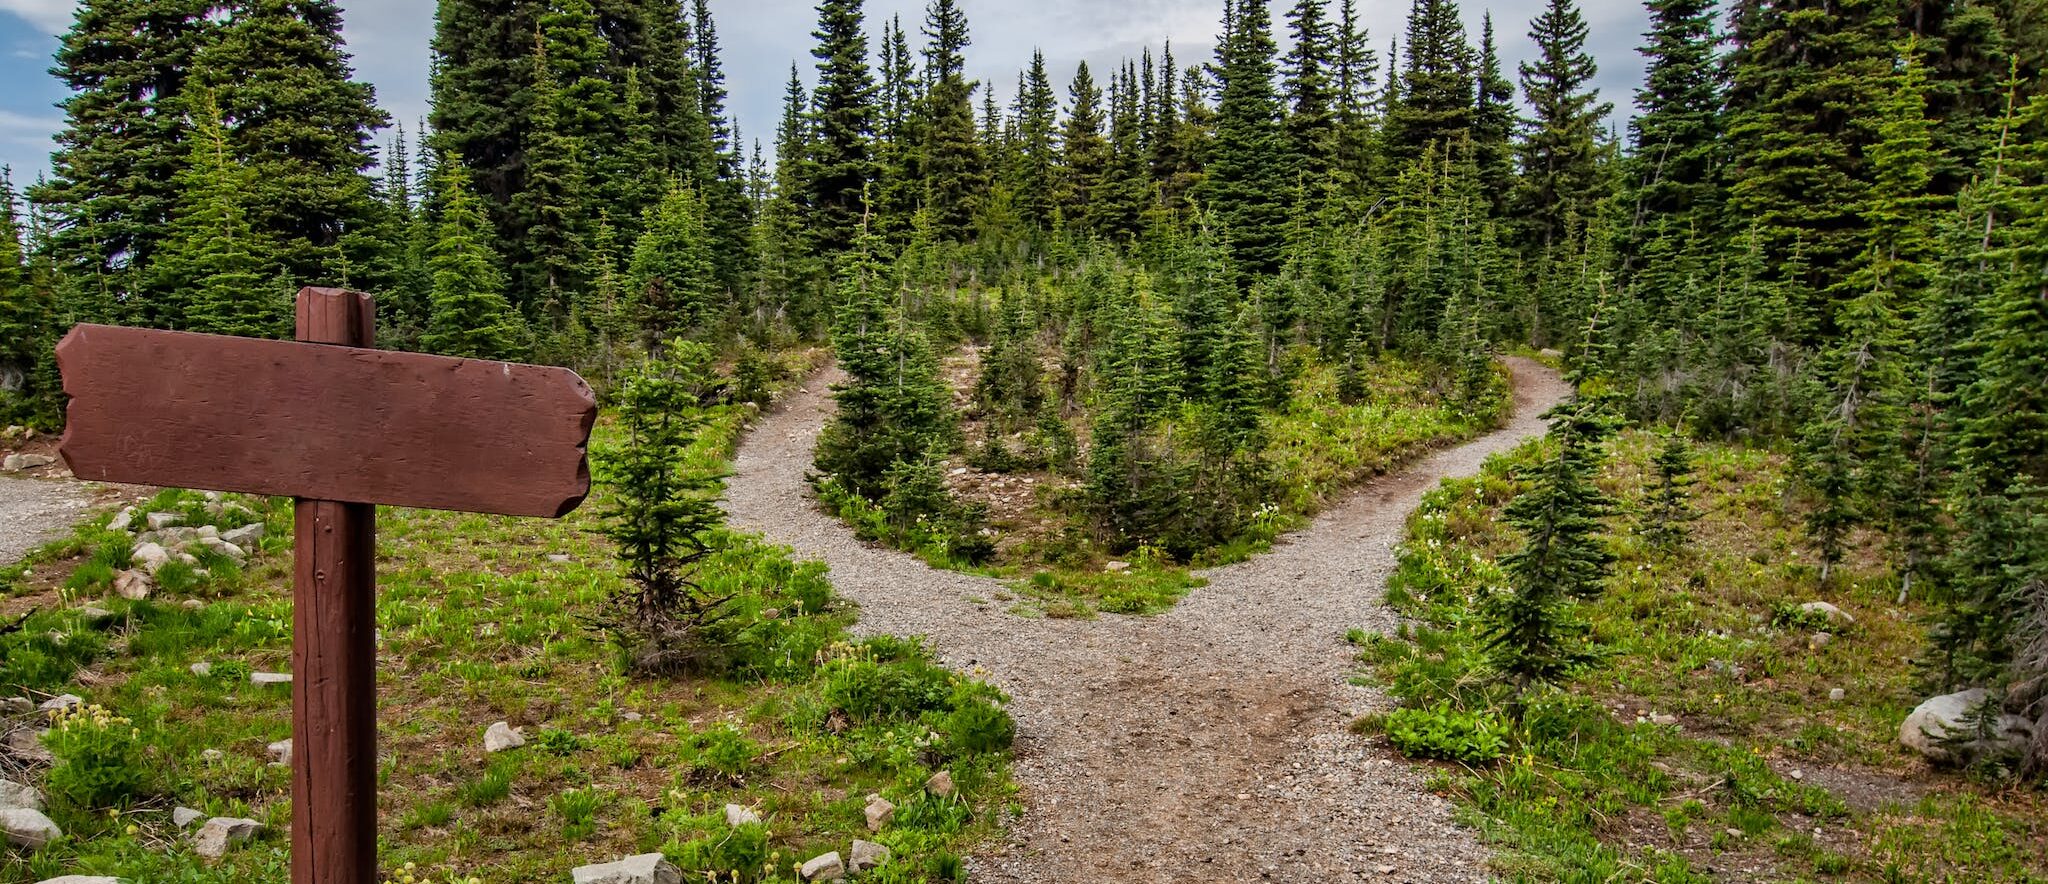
(53, 16)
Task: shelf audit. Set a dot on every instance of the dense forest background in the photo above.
(1826, 230)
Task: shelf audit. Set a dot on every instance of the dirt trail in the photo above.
(36, 511)
(1205, 744)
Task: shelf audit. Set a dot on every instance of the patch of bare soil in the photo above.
(1209, 743)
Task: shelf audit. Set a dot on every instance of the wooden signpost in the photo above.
(341, 428)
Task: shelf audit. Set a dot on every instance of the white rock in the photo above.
(223, 547)
(216, 754)
(133, 585)
(14, 795)
(737, 815)
(26, 827)
(941, 784)
(61, 702)
(246, 536)
(866, 855)
(17, 706)
(880, 812)
(149, 556)
(1925, 730)
(15, 463)
(201, 668)
(501, 736)
(192, 604)
(1838, 695)
(558, 558)
(266, 679)
(1819, 640)
(647, 868)
(122, 519)
(184, 817)
(1117, 567)
(280, 752)
(824, 868)
(160, 521)
(27, 745)
(1662, 719)
(81, 879)
(95, 615)
(1834, 615)
(221, 833)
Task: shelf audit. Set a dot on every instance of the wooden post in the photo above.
(334, 651)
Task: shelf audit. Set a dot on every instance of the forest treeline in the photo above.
(1825, 228)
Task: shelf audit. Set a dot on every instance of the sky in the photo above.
(760, 38)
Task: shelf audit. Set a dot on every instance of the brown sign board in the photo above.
(324, 422)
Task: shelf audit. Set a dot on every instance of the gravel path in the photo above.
(36, 511)
(1208, 743)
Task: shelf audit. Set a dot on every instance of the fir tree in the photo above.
(1247, 184)
(673, 277)
(1085, 153)
(955, 172)
(470, 315)
(213, 261)
(1035, 162)
(1494, 122)
(1667, 504)
(840, 155)
(1311, 128)
(301, 123)
(1433, 104)
(115, 170)
(555, 206)
(1561, 175)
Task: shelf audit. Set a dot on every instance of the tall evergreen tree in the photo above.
(1433, 103)
(955, 170)
(840, 159)
(1035, 164)
(1247, 182)
(1311, 129)
(1085, 153)
(1561, 175)
(470, 315)
(213, 262)
(673, 274)
(1494, 121)
(115, 169)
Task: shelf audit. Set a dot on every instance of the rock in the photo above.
(149, 556)
(866, 855)
(737, 815)
(501, 736)
(631, 716)
(61, 702)
(27, 827)
(184, 817)
(1819, 640)
(216, 754)
(192, 604)
(17, 706)
(824, 868)
(246, 537)
(160, 521)
(15, 796)
(201, 668)
(26, 744)
(647, 868)
(941, 784)
(280, 752)
(223, 547)
(771, 613)
(1835, 616)
(95, 615)
(558, 558)
(880, 812)
(266, 679)
(133, 585)
(122, 520)
(221, 833)
(1662, 719)
(81, 879)
(15, 463)
(1838, 695)
(1117, 567)
(1928, 728)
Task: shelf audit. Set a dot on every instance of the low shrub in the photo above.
(98, 758)
(1445, 734)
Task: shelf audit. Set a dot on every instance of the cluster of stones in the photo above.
(652, 868)
(162, 538)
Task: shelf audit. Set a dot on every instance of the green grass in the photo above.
(1318, 447)
(1592, 788)
(479, 625)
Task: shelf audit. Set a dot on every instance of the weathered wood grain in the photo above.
(321, 421)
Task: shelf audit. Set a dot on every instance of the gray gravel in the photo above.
(1205, 744)
(36, 511)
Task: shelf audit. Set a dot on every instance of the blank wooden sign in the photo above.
(326, 422)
